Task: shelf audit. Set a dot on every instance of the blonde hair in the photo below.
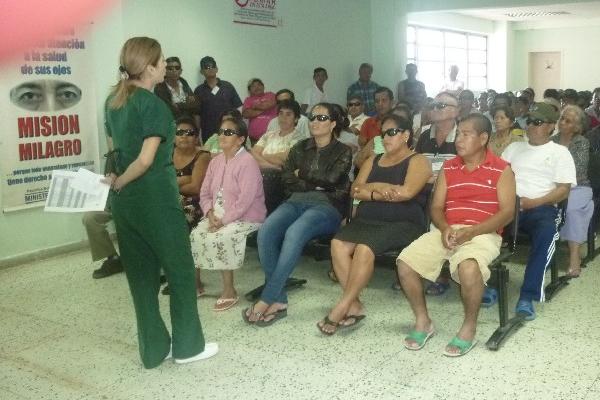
(137, 53)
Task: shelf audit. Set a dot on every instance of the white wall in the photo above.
(335, 34)
(580, 57)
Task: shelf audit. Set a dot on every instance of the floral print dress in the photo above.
(224, 249)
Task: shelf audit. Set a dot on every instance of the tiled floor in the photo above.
(67, 336)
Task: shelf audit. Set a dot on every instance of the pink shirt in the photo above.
(242, 185)
(258, 125)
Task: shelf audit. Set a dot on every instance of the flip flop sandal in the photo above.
(246, 317)
(489, 298)
(356, 318)
(327, 321)
(463, 346)
(419, 337)
(437, 288)
(277, 315)
(225, 304)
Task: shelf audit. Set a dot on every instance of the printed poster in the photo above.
(256, 12)
(47, 118)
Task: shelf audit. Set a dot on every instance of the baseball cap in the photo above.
(544, 111)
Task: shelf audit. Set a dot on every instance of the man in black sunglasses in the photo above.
(545, 173)
(437, 142)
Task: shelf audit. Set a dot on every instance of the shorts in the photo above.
(427, 254)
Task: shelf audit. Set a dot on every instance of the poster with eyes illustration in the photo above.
(45, 95)
(48, 118)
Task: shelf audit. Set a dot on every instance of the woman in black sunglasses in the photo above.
(390, 215)
(190, 164)
(315, 177)
(175, 91)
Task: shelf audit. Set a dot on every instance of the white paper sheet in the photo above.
(76, 192)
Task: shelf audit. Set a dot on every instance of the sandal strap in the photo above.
(460, 344)
(418, 336)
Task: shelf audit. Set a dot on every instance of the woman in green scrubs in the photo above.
(150, 223)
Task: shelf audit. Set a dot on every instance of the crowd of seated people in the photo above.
(291, 172)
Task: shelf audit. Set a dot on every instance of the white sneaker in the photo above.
(210, 349)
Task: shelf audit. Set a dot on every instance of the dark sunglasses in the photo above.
(535, 121)
(391, 132)
(441, 106)
(173, 68)
(354, 104)
(186, 132)
(319, 117)
(227, 132)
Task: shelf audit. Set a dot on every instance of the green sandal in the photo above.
(420, 338)
(463, 347)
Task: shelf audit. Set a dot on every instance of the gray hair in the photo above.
(580, 117)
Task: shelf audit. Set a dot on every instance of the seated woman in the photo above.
(375, 145)
(233, 203)
(212, 143)
(272, 150)
(259, 108)
(505, 134)
(175, 91)
(391, 215)
(315, 176)
(580, 206)
(190, 165)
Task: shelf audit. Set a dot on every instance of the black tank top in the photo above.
(409, 211)
(189, 168)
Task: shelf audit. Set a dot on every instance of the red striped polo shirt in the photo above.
(471, 196)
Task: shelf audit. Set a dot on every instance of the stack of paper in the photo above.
(76, 191)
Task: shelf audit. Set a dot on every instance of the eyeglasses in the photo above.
(185, 132)
(535, 121)
(173, 68)
(207, 67)
(354, 104)
(227, 132)
(441, 106)
(319, 117)
(391, 132)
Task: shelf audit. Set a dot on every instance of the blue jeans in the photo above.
(541, 225)
(282, 237)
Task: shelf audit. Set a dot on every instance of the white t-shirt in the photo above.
(539, 168)
(313, 96)
(301, 127)
(272, 142)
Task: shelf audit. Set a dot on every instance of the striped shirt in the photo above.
(472, 196)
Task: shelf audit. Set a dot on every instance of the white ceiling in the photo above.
(576, 12)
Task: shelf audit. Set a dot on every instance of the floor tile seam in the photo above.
(37, 317)
(50, 375)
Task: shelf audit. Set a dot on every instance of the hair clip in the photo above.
(123, 73)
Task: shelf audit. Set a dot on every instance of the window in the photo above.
(435, 50)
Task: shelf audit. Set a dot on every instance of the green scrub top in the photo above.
(144, 115)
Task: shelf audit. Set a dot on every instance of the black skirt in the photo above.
(380, 236)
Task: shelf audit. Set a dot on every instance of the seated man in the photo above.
(371, 127)
(545, 173)
(100, 243)
(473, 200)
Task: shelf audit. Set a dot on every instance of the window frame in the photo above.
(466, 75)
